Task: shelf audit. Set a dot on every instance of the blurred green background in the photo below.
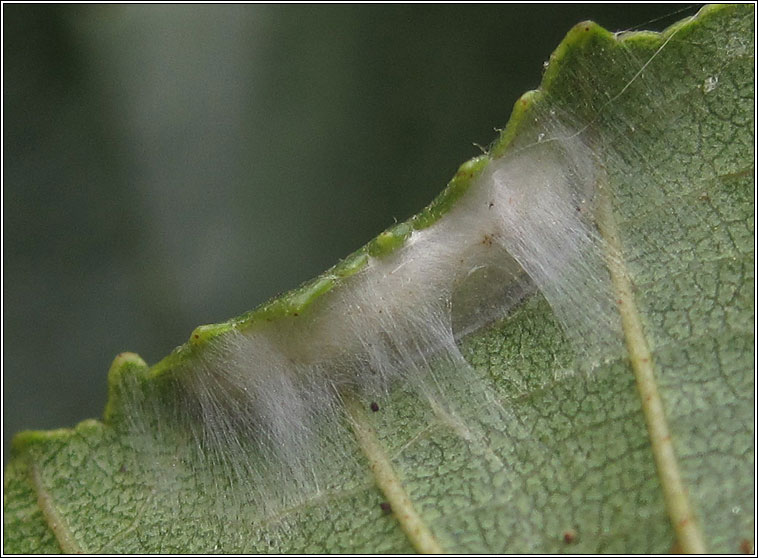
(167, 166)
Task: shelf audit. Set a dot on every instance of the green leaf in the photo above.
(650, 452)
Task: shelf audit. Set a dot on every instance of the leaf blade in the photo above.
(561, 426)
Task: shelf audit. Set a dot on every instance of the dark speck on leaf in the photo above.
(374, 406)
(386, 508)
